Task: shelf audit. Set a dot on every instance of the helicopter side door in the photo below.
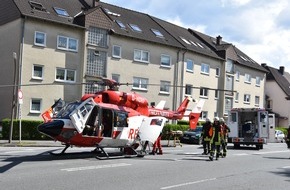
(151, 128)
(81, 114)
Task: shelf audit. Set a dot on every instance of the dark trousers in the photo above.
(215, 149)
(206, 146)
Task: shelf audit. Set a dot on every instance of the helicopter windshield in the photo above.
(66, 110)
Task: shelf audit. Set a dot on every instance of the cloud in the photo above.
(259, 28)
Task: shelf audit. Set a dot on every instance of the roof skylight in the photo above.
(37, 6)
(185, 40)
(61, 12)
(111, 13)
(135, 28)
(157, 33)
(121, 25)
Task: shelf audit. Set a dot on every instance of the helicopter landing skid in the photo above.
(128, 152)
(62, 152)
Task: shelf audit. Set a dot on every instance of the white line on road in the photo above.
(286, 167)
(188, 183)
(95, 167)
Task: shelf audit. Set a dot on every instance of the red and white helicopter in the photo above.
(111, 119)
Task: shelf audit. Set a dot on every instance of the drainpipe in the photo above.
(175, 82)
(182, 75)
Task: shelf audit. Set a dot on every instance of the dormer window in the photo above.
(61, 12)
(135, 28)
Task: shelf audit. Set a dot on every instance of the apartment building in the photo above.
(240, 74)
(62, 43)
(277, 93)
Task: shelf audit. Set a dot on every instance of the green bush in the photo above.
(283, 129)
(28, 130)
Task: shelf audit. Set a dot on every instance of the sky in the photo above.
(259, 28)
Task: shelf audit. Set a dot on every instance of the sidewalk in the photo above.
(51, 143)
(30, 143)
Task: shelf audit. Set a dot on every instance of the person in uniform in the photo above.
(224, 137)
(215, 141)
(206, 136)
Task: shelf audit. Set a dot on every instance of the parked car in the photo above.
(192, 136)
(279, 136)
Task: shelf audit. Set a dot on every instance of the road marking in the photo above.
(188, 183)
(286, 167)
(270, 152)
(95, 167)
(241, 154)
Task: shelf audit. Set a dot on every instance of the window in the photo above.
(140, 83)
(135, 28)
(165, 61)
(164, 87)
(39, 39)
(116, 51)
(247, 98)
(247, 78)
(157, 33)
(35, 105)
(216, 94)
(61, 12)
(203, 115)
(217, 72)
(37, 72)
(37, 6)
(66, 43)
(116, 77)
(269, 104)
(237, 97)
(188, 89)
(65, 75)
(141, 55)
(257, 100)
(229, 85)
(204, 68)
(229, 66)
(189, 65)
(120, 24)
(203, 92)
(185, 40)
(258, 81)
(97, 37)
(237, 75)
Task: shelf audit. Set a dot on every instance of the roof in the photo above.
(123, 19)
(279, 76)
(60, 11)
(240, 57)
(184, 37)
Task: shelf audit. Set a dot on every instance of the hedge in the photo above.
(28, 130)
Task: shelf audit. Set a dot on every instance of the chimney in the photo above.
(218, 40)
(264, 65)
(281, 70)
(95, 3)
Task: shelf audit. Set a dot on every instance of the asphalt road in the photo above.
(183, 167)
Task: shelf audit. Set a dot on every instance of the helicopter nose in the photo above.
(52, 128)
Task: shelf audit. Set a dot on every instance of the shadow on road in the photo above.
(13, 161)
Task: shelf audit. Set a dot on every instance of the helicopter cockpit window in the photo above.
(120, 119)
(67, 109)
(156, 122)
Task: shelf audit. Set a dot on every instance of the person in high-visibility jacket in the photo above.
(224, 137)
(206, 136)
(215, 139)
